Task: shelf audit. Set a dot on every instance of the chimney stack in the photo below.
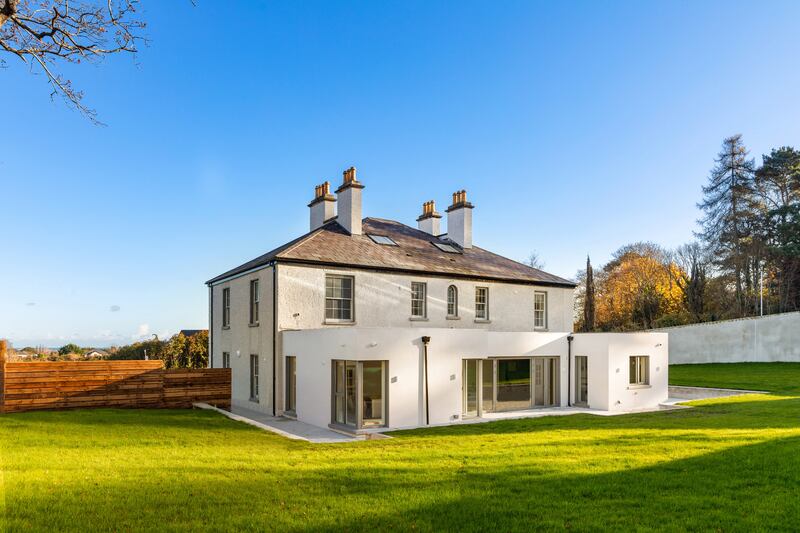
(323, 206)
(349, 198)
(459, 220)
(430, 221)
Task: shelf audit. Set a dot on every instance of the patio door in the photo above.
(513, 384)
(581, 380)
(358, 393)
(344, 393)
(470, 384)
(546, 382)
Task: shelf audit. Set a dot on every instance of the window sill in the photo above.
(482, 321)
(226, 327)
(330, 322)
(254, 400)
(543, 330)
(635, 387)
(290, 414)
(418, 319)
(252, 325)
(453, 317)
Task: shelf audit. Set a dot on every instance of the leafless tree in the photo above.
(534, 260)
(45, 34)
(692, 275)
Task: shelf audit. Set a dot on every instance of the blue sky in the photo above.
(575, 128)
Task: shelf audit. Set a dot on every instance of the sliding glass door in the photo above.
(358, 393)
(372, 394)
(509, 384)
(546, 383)
(513, 384)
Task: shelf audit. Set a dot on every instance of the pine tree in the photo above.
(727, 224)
(777, 184)
(588, 304)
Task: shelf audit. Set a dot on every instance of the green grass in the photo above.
(774, 377)
(730, 464)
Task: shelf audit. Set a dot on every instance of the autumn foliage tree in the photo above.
(179, 351)
(632, 291)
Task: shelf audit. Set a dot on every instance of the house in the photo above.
(95, 353)
(364, 324)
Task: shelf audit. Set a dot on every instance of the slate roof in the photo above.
(332, 245)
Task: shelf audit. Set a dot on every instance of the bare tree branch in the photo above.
(47, 33)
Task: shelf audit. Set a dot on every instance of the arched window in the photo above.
(452, 301)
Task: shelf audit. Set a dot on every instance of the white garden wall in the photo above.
(759, 339)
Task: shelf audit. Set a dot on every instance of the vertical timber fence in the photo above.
(138, 384)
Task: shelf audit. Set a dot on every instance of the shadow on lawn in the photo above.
(750, 487)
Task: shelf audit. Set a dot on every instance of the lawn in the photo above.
(729, 464)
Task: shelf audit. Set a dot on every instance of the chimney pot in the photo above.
(459, 220)
(322, 207)
(430, 221)
(349, 198)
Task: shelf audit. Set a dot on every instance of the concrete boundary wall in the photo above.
(758, 339)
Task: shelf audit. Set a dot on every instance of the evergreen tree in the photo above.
(727, 224)
(588, 303)
(777, 184)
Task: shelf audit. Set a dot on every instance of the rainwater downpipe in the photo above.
(425, 341)
(569, 370)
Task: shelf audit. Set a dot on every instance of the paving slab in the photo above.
(286, 427)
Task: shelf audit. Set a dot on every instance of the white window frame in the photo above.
(639, 371)
(352, 299)
(539, 313)
(254, 377)
(226, 307)
(452, 305)
(419, 301)
(485, 303)
(254, 297)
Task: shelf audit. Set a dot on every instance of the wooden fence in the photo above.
(141, 384)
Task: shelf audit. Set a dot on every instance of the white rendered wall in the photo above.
(381, 300)
(608, 359)
(242, 339)
(384, 300)
(402, 348)
(759, 339)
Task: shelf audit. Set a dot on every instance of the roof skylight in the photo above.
(447, 248)
(382, 239)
